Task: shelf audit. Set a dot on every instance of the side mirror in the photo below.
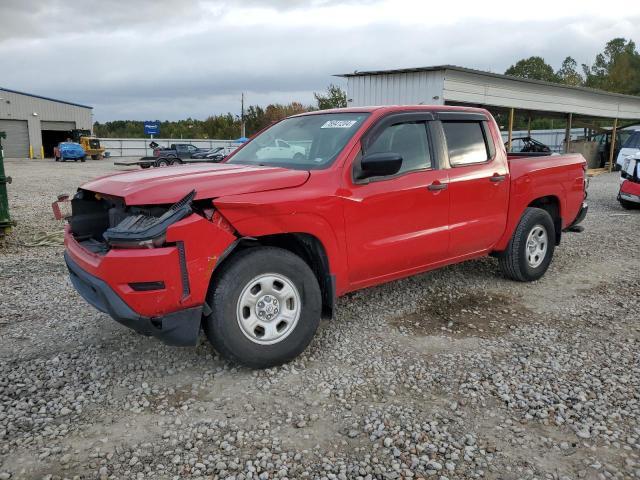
(380, 164)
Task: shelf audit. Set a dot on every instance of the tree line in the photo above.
(225, 126)
(615, 69)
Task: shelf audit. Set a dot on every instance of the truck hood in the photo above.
(168, 185)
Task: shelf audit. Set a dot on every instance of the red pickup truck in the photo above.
(257, 249)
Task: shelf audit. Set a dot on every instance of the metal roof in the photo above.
(44, 98)
(484, 73)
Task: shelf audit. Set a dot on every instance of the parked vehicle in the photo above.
(257, 248)
(69, 151)
(175, 153)
(528, 145)
(89, 143)
(604, 145)
(279, 148)
(629, 193)
(630, 147)
(214, 154)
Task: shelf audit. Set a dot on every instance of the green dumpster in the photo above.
(5, 220)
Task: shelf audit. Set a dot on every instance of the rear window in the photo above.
(466, 142)
(633, 141)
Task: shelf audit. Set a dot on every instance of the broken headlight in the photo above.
(147, 231)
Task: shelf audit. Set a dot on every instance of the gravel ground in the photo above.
(453, 374)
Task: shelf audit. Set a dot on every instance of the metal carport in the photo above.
(453, 85)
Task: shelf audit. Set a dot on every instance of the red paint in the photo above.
(372, 233)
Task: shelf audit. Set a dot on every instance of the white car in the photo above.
(282, 149)
(630, 147)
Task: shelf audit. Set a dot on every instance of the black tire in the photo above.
(176, 161)
(95, 157)
(163, 162)
(222, 326)
(514, 262)
(57, 159)
(145, 165)
(83, 159)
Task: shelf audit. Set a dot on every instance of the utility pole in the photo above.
(242, 129)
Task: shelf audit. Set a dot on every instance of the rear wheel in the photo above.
(266, 307)
(530, 250)
(163, 162)
(145, 165)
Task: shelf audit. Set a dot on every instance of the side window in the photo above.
(466, 142)
(633, 141)
(409, 140)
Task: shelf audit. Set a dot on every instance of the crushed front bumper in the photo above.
(179, 328)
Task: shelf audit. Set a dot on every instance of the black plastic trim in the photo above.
(180, 328)
(461, 116)
(580, 217)
(184, 274)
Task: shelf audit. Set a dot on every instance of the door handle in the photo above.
(497, 178)
(437, 186)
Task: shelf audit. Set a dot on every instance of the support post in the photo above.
(510, 132)
(567, 133)
(242, 128)
(612, 148)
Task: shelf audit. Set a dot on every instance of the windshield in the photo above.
(309, 142)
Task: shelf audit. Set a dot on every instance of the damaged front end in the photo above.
(148, 266)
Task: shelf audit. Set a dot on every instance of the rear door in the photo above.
(478, 183)
(398, 223)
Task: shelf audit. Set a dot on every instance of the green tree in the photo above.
(534, 68)
(335, 97)
(568, 73)
(616, 68)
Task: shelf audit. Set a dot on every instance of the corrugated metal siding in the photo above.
(475, 88)
(16, 106)
(411, 88)
(60, 126)
(16, 145)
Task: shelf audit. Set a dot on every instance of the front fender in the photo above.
(263, 224)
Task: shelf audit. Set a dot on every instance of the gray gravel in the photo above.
(457, 373)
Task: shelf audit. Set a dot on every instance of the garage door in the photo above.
(16, 145)
(61, 126)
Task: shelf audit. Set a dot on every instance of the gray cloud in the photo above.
(162, 59)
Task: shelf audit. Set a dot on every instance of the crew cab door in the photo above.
(397, 224)
(478, 182)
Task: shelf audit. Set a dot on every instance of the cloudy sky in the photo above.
(171, 59)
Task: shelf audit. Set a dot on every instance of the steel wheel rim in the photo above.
(537, 246)
(268, 309)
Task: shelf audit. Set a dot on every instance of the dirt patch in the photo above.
(472, 314)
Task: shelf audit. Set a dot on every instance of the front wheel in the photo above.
(266, 307)
(530, 250)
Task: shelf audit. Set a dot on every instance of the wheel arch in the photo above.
(551, 204)
(304, 245)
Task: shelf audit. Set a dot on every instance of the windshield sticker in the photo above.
(339, 124)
